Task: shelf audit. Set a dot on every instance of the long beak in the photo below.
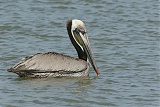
(82, 39)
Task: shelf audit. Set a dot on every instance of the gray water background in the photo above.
(125, 39)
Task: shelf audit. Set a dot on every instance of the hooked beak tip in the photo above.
(98, 73)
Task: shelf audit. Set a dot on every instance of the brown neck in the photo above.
(81, 54)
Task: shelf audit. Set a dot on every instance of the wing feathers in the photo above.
(49, 62)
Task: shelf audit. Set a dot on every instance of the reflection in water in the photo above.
(65, 89)
(80, 83)
(82, 86)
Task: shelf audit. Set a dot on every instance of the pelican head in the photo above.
(79, 38)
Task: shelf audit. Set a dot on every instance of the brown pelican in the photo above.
(53, 64)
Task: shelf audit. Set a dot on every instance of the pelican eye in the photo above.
(80, 30)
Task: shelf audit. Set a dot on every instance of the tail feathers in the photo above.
(10, 70)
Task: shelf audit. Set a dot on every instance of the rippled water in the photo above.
(124, 36)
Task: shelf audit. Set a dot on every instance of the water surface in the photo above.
(124, 37)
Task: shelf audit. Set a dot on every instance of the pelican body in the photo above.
(53, 64)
